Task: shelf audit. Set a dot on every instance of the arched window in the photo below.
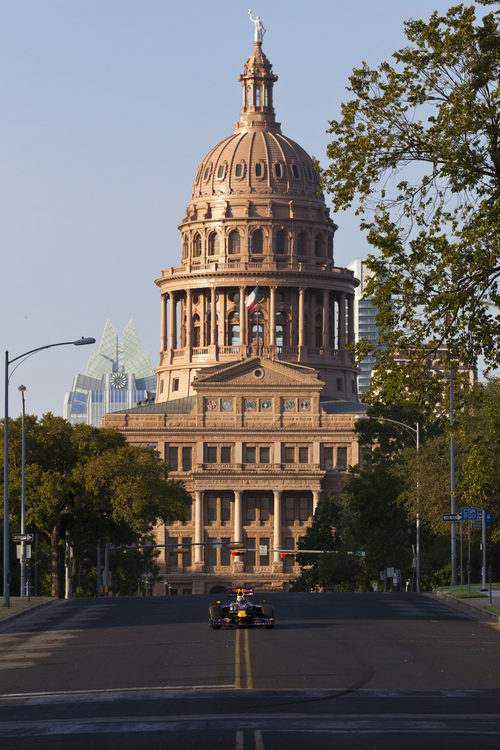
(301, 244)
(279, 243)
(213, 244)
(197, 246)
(185, 246)
(257, 242)
(234, 243)
(234, 329)
(318, 246)
(257, 97)
(281, 329)
(257, 328)
(196, 330)
(318, 330)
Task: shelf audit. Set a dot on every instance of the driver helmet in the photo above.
(240, 600)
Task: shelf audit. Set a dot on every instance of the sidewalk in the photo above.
(20, 605)
(478, 605)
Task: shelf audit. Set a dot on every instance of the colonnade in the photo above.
(337, 318)
(237, 530)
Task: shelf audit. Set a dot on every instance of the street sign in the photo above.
(22, 537)
(262, 550)
(488, 516)
(452, 517)
(470, 514)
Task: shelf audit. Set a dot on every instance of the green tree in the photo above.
(417, 152)
(85, 484)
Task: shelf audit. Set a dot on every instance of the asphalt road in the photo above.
(358, 671)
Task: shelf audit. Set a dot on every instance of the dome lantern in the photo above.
(257, 80)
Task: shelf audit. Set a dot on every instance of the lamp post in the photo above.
(22, 389)
(6, 562)
(415, 433)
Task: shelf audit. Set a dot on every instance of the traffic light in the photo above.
(288, 554)
(237, 552)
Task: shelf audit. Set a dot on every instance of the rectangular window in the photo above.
(250, 509)
(303, 455)
(225, 509)
(250, 555)
(211, 452)
(211, 508)
(264, 455)
(187, 556)
(187, 460)
(173, 457)
(304, 511)
(264, 559)
(327, 457)
(289, 454)
(172, 556)
(175, 384)
(225, 454)
(342, 458)
(290, 509)
(211, 553)
(249, 454)
(264, 509)
(225, 553)
(339, 384)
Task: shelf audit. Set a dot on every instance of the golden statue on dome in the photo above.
(259, 28)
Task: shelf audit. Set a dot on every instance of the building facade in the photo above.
(256, 393)
(118, 376)
(365, 326)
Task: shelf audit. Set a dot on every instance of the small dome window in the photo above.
(206, 173)
(258, 169)
(295, 171)
(309, 173)
(221, 171)
(277, 170)
(239, 169)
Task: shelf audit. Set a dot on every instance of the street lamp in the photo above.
(415, 433)
(22, 389)
(6, 563)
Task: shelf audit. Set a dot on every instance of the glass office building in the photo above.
(365, 326)
(118, 376)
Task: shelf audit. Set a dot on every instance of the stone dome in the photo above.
(257, 160)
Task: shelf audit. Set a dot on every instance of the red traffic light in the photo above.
(287, 554)
(237, 552)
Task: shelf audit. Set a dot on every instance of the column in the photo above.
(221, 330)
(272, 316)
(350, 318)
(163, 336)
(316, 499)
(326, 319)
(301, 317)
(172, 331)
(243, 317)
(342, 320)
(203, 319)
(277, 526)
(238, 526)
(213, 318)
(198, 527)
(189, 319)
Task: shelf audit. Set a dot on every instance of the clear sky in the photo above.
(108, 107)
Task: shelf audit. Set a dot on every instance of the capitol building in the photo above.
(256, 394)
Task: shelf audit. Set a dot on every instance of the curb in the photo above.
(27, 611)
(480, 612)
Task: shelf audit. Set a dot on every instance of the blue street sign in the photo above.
(488, 516)
(469, 514)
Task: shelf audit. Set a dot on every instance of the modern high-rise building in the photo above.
(365, 326)
(256, 396)
(118, 376)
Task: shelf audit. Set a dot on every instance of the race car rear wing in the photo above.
(239, 592)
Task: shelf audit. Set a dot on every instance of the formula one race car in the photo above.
(241, 612)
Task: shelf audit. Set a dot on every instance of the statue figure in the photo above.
(259, 28)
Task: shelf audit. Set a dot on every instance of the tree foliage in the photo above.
(417, 151)
(85, 484)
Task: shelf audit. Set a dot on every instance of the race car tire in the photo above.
(215, 613)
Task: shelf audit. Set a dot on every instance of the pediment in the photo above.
(259, 372)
